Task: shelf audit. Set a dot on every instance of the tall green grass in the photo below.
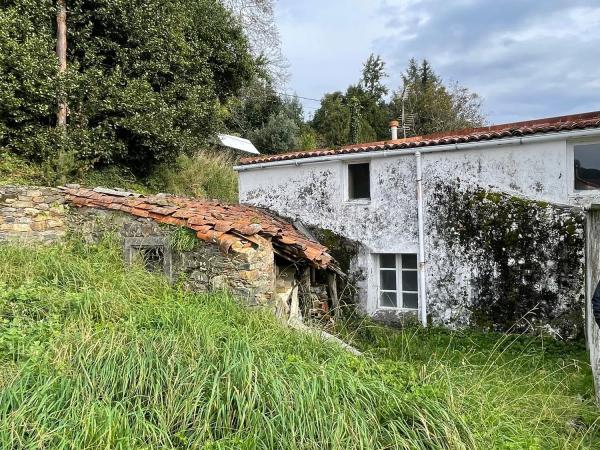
(513, 391)
(94, 356)
(206, 174)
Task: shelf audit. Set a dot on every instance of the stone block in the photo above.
(249, 275)
(39, 226)
(219, 282)
(23, 204)
(55, 223)
(19, 227)
(57, 209)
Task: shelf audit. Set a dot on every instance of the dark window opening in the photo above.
(359, 181)
(153, 258)
(587, 167)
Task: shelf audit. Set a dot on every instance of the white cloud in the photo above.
(526, 60)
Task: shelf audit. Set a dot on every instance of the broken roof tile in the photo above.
(230, 226)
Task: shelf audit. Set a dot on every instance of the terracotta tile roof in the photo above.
(226, 225)
(517, 129)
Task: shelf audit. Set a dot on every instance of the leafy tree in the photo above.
(145, 80)
(271, 121)
(331, 121)
(354, 124)
(373, 74)
(434, 106)
(358, 115)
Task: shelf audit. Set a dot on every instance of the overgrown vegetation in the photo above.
(94, 355)
(514, 391)
(204, 175)
(145, 81)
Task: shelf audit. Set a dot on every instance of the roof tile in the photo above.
(230, 226)
(517, 129)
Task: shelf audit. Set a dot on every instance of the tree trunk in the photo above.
(61, 53)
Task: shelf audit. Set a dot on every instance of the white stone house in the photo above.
(459, 228)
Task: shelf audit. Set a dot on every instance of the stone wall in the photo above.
(32, 213)
(247, 272)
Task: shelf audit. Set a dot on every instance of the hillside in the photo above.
(96, 356)
(206, 174)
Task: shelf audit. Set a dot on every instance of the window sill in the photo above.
(389, 308)
(358, 201)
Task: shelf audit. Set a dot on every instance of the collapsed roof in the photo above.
(226, 225)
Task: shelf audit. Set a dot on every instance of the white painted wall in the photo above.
(315, 193)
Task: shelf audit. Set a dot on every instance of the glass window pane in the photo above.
(388, 280)
(387, 260)
(409, 261)
(359, 182)
(410, 301)
(587, 166)
(409, 280)
(388, 299)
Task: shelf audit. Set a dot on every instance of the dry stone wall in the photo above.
(249, 273)
(32, 213)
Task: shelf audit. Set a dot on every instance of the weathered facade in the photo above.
(502, 220)
(258, 257)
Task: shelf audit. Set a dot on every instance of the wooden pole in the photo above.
(61, 53)
(335, 301)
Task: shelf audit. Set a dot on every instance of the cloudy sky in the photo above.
(526, 58)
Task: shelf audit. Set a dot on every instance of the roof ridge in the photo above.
(549, 124)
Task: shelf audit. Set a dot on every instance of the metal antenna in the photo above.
(407, 120)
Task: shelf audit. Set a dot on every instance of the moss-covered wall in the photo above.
(505, 263)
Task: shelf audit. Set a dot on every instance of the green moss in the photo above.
(508, 241)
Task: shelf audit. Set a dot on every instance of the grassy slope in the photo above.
(96, 356)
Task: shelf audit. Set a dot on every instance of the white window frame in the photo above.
(571, 168)
(346, 178)
(399, 288)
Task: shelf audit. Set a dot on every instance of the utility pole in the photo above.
(61, 53)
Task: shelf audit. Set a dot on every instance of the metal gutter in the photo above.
(374, 154)
(421, 225)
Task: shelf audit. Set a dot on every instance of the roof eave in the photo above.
(411, 148)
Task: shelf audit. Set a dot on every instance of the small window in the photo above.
(153, 258)
(359, 181)
(587, 166)
(398, 281)
(153, 253)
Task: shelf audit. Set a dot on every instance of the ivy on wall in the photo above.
(525, 258)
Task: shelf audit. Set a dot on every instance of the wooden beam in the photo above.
(335, 301)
